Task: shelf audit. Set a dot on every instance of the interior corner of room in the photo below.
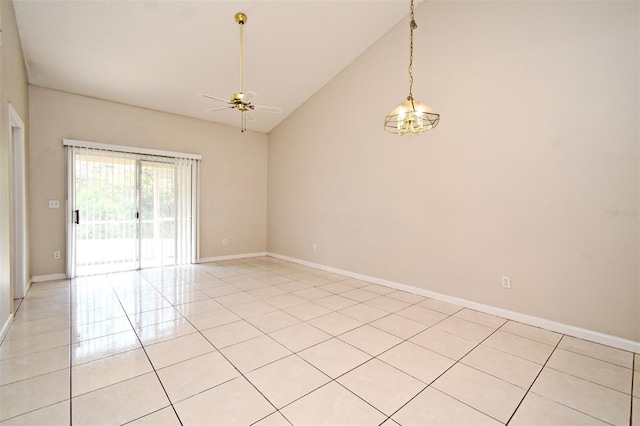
(532, 174)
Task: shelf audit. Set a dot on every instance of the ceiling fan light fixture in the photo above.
(411, 117)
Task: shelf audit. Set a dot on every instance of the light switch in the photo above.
(54, 204)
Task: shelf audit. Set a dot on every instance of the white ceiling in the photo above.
(161, 54)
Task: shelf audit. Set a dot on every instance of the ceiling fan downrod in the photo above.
(241, 19)
(239, 100)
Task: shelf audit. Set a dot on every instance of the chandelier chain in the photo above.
(412, 26)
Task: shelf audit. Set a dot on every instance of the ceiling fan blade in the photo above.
(267, 108)
(218, 109)
(251, 116)
(248, 96)
(214, 98)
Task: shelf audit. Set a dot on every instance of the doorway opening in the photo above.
(19, 273)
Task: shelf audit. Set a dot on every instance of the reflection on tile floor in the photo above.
(268, 342)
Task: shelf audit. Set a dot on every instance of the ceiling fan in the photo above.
(241, 100)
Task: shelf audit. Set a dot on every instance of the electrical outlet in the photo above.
(54, 204)
(224, 241)
(506, 281)
(56, 254)
(315, 247)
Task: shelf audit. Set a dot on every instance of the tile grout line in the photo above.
(304, 360)
(518, 356)
(534, 380)
(388, 349)
(445, 371)
(42, 374)
(293, 353)
(128, 319)
(278, 410)
(591, 381)
(600, 359)
(538, 375)
(577, 377)
(226, 359)
(633, 376)
(142, 345)
(360, 326)
(70, 352)
(198, 331)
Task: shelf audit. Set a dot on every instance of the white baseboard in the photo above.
(5, 327)
(51, 277)
(231, 257)
(593, 336)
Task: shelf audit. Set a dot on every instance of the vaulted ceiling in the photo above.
(162, 54)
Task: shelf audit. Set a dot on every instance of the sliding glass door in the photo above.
(105, 194)
(129, 211)
(157, 214)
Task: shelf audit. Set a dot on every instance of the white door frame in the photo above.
(70, 214)
(19, 273)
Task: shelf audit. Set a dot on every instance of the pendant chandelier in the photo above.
(411, 117)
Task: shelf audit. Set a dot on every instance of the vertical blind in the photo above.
(105, 195)
(130, 210)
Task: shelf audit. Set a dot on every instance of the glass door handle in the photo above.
(77, 213)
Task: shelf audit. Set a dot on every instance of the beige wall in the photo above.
(233, 169)
(13, 89)
(538, 141)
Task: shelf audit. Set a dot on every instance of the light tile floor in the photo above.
(267, 342)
